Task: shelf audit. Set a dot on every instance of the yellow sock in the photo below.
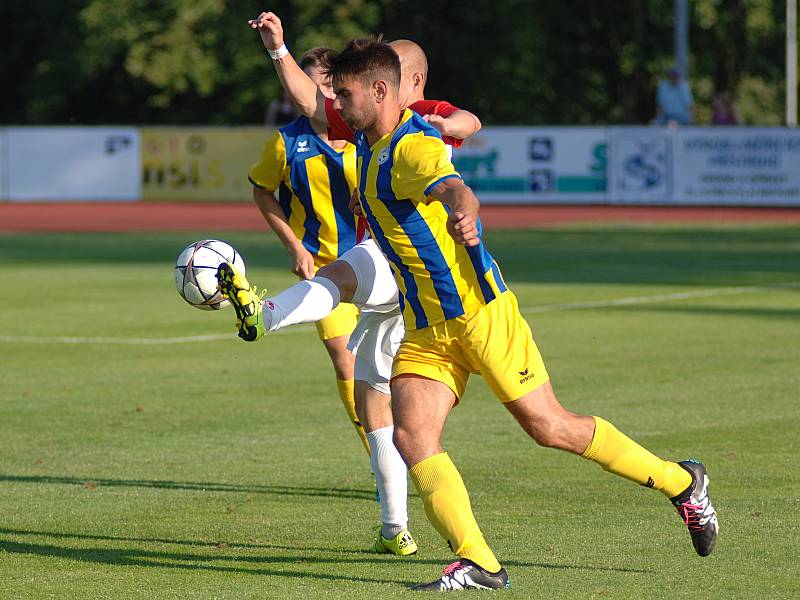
(446, 501)
(348, 400)
(619, 454)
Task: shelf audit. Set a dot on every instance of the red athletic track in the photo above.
(151, 216)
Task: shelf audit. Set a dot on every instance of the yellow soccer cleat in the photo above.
(400, 545)
(245, 301)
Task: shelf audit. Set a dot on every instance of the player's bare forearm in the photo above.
(302, 91)
(464, 204)
(301, 261)
(461, 125)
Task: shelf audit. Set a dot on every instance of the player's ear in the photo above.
(380, 89)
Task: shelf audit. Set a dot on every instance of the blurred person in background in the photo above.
(723, 110)
(673, 100)
(281, 111)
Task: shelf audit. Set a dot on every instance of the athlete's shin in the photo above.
(391, 478)
(618, 454)
(447, 506)
(305, 302)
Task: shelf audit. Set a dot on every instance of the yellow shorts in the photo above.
(494, 341)
(341, 321)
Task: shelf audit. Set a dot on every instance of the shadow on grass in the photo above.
(146, 558)
(200, 486)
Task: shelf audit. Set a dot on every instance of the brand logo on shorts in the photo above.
(383, 156)
(650, 482)
(525, 375)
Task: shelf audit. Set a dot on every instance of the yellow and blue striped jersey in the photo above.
(314, 184)
(438, 279)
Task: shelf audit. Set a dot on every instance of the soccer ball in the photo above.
(196, 272)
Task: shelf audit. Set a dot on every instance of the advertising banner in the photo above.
(199, 163)
(73, 163)
(641, 165)
(535, 165)
(3, 164)
(737, 165)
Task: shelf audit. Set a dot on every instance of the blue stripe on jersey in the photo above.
(339, 191)
(380, 238)
(285, 199)
(498, 279)
(419, 234)
(299, 178)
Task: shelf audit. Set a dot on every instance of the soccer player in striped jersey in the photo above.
(461, 318)
(362, 276)
(302, 185)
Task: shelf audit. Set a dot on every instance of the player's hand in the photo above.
(355, 204)
(270, 28)
(302, 262)
(463, 229)
(438, 122)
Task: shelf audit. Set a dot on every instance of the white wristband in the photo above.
(279, 53)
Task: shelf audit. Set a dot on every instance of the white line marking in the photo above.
(632, 300)
(656, 298)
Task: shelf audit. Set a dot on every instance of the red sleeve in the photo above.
(337, 128)
(437, 107)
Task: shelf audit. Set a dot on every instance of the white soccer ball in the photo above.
(196, 272)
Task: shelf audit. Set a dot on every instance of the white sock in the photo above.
(391, 477)
(305, 302)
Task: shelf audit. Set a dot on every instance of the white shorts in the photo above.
(376, 290)
(374, 342)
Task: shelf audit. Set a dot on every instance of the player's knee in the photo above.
(549, 433)
(340, 273)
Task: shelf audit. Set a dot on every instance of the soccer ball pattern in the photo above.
(196, 272)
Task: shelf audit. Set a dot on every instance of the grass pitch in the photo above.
(134, 463)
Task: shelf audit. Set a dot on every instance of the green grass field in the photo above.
(137, 463)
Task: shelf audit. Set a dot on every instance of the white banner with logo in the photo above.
(3, 163)
(640, 166)
(535, 164)
(73, 163)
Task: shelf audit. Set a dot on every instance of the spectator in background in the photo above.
(673, 100)
(723, 110)
(281, 111)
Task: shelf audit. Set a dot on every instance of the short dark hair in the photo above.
(318, 57)
(367, 59)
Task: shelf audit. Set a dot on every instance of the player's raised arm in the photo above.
(302, 91)
(464, 205)
(459, 125)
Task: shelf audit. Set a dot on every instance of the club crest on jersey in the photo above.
(302, 146)
(383, 156)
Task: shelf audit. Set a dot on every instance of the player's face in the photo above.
(323, 81)
(355, 103)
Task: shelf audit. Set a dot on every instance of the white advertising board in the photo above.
(737, 166)
(641, 163)
(73, 163)
(3, 164)
(535, 164)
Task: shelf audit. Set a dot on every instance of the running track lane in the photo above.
(33, 217)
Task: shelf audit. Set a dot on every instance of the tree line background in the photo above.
(510, 61)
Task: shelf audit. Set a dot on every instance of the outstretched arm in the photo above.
(459, 125)
(302, 91)
(464, 205)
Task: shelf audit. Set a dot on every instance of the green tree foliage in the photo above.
(511, 61)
